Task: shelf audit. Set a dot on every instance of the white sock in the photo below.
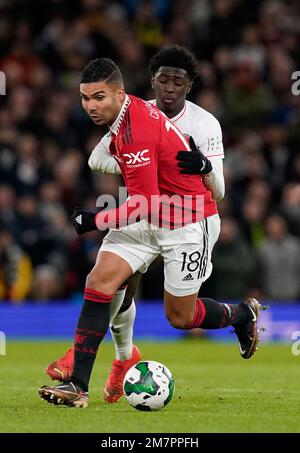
(116, 303)
(121, 329)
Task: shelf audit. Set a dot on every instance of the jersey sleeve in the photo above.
(101, 159)
(214, 181)
(139, 163)
(211, 143)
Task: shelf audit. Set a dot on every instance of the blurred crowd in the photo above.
(247, 52)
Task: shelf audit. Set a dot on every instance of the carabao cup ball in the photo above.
(148, 386)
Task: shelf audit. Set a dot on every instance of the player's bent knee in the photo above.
(94, 281)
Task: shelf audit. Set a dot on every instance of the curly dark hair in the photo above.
(176, 57)
(101, 69)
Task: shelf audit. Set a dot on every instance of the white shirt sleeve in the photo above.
(214, 181)
(211, 146)
(101, 159)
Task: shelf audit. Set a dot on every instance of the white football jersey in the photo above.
(202, 126)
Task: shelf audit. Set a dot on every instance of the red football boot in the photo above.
(62, 368)
(113, 389)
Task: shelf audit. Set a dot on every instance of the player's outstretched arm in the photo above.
(101, 160)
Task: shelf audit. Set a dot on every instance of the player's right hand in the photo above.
(83, 221)
(193, 162)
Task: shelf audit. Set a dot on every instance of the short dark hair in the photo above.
(101, 69)
(176, 57)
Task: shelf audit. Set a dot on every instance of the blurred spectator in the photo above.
(253, 216)
(20, 62)
(147, 26)
(15, 269)
(81, 254)
(8, 216)
(32, 230)
(270, 20)
(248, 99)
(294, 170)
(223, 29)
(29, 172)
(47, 284)
(210, 100)
(251, 50)
(260, 191)
(67, 172)
(290, 207)
(276, 155)
(280, 261)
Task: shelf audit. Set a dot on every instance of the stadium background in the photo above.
(247, 52)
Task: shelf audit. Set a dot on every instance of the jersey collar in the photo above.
(179, 115)
(115, 127)
(174, 118)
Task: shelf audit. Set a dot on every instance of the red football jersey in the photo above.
(145, 144)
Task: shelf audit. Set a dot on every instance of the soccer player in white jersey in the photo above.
(173, 70)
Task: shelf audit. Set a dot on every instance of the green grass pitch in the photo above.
(216, 391)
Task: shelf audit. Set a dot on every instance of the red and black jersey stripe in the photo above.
(127, 137)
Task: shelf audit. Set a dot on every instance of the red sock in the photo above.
(199, 315)
(96, 296)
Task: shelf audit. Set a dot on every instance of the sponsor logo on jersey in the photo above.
(137, 159)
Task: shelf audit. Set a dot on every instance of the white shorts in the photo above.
(186, 251)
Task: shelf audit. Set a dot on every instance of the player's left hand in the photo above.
(193, 162)
(83, 221)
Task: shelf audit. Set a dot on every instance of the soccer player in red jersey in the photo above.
(146, 146)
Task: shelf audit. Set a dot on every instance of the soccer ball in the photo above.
(148, 386)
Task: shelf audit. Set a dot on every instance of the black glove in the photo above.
(83, 221)
(193, 162)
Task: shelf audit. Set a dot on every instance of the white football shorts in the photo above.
(186, 251)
